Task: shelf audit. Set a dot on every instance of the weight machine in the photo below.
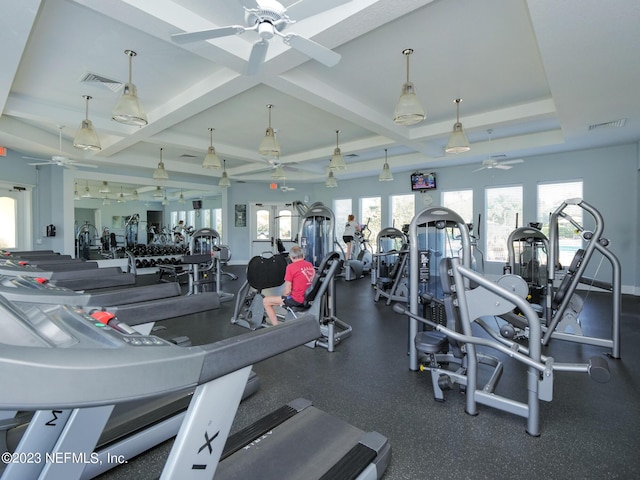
(560, 301)
(390, 266)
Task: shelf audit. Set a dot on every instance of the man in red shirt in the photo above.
(297, 278)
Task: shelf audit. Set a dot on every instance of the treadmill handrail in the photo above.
(86, 377)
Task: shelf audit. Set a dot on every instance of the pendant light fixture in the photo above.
(157, 193)
(181, 199)
(408, 109)
(458, 142)
(269, 146)
(211, 160)
(224, 179)
(278, 172)
(105, 188)
(121, 198)
(385, 175)
(86, 193)
(106, 201)
(165, 200)
(86, 138)
(135, 197)
(160, 173)
(128, 109)
(76, 195)
(331, 180)
(337, 161)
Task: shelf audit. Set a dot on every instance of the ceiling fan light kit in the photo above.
(385, 174)
(269, 146)
(408, 110)
(86, 138)
(458, 142)
(337, 160)
(211, 159)
(160, 172)
(128, 109)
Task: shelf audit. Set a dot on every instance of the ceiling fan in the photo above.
(60, 159)
(268, 19)
(490, 163)
(285, 188)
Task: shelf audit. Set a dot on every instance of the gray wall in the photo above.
(611, 177)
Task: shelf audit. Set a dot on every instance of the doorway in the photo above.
(270, 222)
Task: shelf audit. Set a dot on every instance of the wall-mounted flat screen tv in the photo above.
(197, 204)
(423, 181)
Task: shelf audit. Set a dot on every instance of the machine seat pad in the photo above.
(430, 342)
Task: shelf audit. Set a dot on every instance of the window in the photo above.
(503, 205)
(206, 218)
(191, 218)
(550, 197)
(341, 210)
(370, 208)
(402, 210)
(8, 219)
(262, 224)
(285, 225)
(461, 202)
(217, 220)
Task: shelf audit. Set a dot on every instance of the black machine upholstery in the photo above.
(321, 276)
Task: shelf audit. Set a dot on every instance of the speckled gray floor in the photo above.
(589, 430)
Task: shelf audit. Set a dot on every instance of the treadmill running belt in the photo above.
(304, 447)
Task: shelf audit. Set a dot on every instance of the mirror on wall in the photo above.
(110, 215)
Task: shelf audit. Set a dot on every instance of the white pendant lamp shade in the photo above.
(87, 192)
(86, 137)
(385, 175)
(181, 199)
(408, 110)
(331, 180)
(458, 142)
(160, 173)
(269, 146)
(224, 179)
(278, 173)
(337, 160)
(128, 109)
(211, 160)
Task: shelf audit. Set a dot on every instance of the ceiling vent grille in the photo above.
(614, 123)
(113, 85)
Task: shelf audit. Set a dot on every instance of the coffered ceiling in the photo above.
(543, 75)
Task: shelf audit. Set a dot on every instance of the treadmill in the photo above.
(134, 427)
(73, 370)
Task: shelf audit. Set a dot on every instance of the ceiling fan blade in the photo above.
(478, 169)
(41, 163)
(503, 167)
(188, 37)
(34, 158)
(512, 162)
(312, 49)
(256, 59)
(76, 164)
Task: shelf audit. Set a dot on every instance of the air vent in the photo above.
(113, 85)
(614, 123)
